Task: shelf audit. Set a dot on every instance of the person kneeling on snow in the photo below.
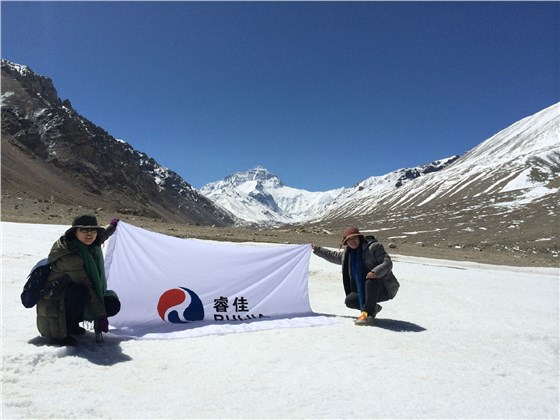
(76, 262)
(366, 273)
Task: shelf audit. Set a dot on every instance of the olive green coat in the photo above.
(65, 258)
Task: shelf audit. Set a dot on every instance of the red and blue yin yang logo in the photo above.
(180, 306)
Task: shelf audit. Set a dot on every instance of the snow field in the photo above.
(460, 340)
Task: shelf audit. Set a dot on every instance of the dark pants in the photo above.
(375, 292)
(76, 297)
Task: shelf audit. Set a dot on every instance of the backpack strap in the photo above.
(53, 285)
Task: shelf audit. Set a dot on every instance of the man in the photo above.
(367, 273)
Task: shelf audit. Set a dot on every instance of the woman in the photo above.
(366, 273)
(77, 262)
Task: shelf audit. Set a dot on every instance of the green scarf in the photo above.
(95, 268)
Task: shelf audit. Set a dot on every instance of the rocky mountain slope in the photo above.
(53, 154)
(517, 166)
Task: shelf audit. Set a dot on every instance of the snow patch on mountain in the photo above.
(20, 68)
(362, 194)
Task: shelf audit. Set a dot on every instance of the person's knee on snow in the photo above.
(352, 301)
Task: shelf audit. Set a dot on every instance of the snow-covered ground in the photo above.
(460, 340)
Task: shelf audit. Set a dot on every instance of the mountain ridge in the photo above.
(529, 145)
(80, 163)
(266, 200)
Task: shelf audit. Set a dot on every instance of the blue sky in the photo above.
(323, 94)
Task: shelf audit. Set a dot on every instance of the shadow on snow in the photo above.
(107, 353)
(387, 324)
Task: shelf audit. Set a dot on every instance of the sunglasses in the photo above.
(87, 230)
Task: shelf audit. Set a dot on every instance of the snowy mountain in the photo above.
(377, 186)
(517, 166)
(501, 196)
(260, 197)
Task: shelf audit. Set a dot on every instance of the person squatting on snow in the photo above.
(77, 262)
(367, 273)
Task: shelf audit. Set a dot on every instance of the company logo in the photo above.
(180, 306)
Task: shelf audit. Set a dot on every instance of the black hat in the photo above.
(85, 221)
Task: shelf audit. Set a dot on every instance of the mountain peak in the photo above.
(259, 196)
(259, 175)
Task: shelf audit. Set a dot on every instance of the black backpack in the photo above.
(37, 285)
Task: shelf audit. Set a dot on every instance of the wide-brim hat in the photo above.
(85, 221)
(350, 232)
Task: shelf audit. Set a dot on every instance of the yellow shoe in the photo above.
(364, 319)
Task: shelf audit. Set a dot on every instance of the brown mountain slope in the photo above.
(50, 152)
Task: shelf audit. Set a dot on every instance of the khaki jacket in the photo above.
(66, 259)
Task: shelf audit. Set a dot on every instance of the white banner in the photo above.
(172, 285)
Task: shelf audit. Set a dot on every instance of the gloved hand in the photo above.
(101, 325)
(114, 222)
